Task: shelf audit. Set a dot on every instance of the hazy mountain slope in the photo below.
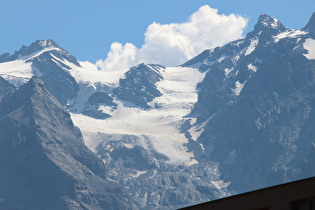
(44, 162)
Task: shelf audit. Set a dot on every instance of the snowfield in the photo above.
(20, 71)
(16, 72)
(290, 33)
(309, 45)
(89, 73)
(156, 127)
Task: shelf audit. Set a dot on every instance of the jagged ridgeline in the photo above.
(258, 105)
(234, 118)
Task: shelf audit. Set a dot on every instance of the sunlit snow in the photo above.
(290, 34)
(273, 24)
(238, 88)
(89, 74)
(16, 72)
(19, 71)
(252, 67)
(220, 184)
(138, 173)
(227, 71)
(157, 127)
(196, 130)
(309, 45)
(251, 47)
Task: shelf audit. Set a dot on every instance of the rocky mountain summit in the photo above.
(310, 26)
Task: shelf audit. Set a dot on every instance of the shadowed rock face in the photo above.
(258, 105)
(57, 80)
(44, 163)
(5, 88)
(139, 85)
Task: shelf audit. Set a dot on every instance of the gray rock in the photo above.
(44, 162)
(138, 87)
(5, 88)
(58, 81)
(310, 26)
(260, 134)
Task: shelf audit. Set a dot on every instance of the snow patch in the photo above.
(196, 130)
(309, 45)
(252, 67)
(227, 71)
(192, 162)
(129, 146)
(258, 123)
(221, 59)
(220, 184)
(238, 43)
(238, 87)
(251, 47)
(16, 72)
(138, 173)
(288, 34)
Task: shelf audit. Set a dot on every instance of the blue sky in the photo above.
(87, 29)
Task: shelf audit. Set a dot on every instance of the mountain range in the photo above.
(235, 118)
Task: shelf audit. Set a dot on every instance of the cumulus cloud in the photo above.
(175, 43)
(119, 57)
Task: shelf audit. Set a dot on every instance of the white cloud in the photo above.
(175, 43)
(120, 57)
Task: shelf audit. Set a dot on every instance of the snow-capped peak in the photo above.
(268, 22)
(47, 43)
(266, 27)
(35, 47)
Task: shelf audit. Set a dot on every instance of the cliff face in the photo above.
(44, 162)
(5, 88)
